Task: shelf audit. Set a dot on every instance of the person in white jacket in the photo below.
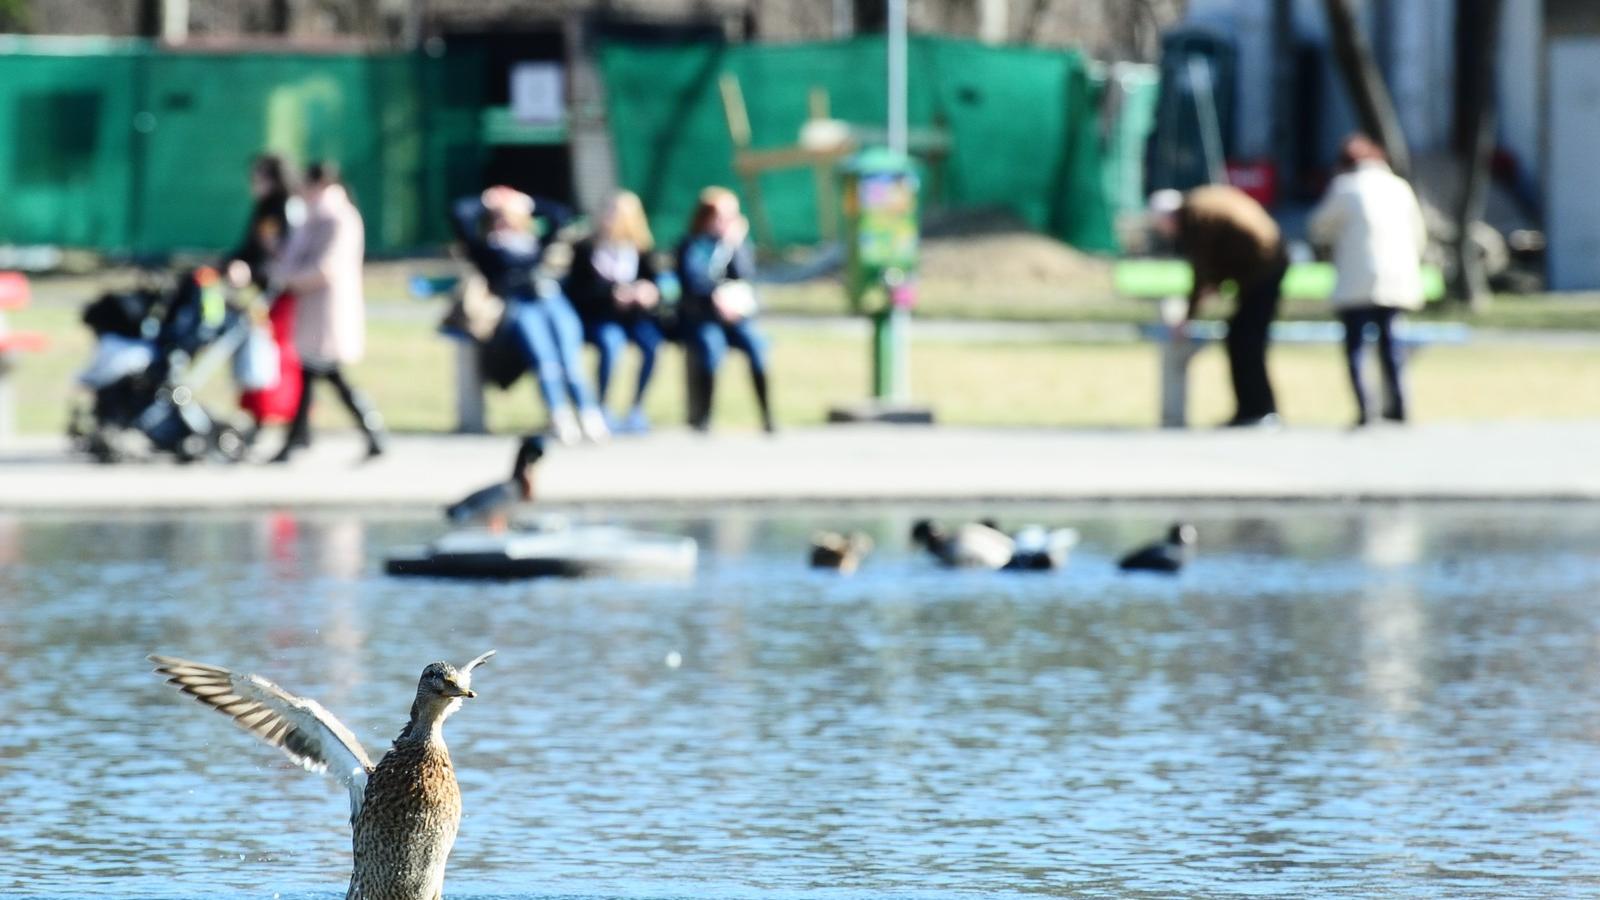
(1371, 219)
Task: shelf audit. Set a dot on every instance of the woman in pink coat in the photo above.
(322, 266)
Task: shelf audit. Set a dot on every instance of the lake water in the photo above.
(1333, 700)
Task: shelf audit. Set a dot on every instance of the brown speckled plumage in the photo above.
(404, 811)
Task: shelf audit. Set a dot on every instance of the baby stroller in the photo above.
(157, 346)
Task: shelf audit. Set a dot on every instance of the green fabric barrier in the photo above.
(1023, 126)
(119, 146)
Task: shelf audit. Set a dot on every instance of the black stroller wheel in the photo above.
(191, 447)
(229, 443)
(101, 450)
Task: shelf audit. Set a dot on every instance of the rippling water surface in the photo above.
(1373, 701)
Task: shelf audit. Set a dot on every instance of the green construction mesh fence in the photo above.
(120, 147)
(1021, 127)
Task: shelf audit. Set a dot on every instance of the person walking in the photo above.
(322, 265)
(1371, 219)
(612, 285)
(501, 237)
(275, 213)
(718, 304)
(1227, 236)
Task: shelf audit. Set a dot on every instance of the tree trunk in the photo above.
(1364, 81)
(280, 17)
(1469, 282)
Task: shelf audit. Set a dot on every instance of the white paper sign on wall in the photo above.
(538, 95)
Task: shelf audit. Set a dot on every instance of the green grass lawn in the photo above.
(409, 369)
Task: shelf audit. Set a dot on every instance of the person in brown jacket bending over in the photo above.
(1227, 236)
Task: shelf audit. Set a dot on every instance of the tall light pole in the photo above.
(896, 27)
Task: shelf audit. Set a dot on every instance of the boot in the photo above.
(702, 387)
(299, 427)
(365, 414)
(759, 380)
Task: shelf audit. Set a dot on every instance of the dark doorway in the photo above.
(541, 170)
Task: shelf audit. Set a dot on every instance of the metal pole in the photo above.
(844, 18)
(175, 21)
(896, 27)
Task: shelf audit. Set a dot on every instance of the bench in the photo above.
(470, 406)
(469, 381)
(14, 294)
(1169, 281)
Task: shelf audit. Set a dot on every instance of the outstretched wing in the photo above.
(301, 728)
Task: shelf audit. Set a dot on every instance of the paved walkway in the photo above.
(863, 463)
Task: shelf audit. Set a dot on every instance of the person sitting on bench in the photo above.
(612, 285)
(718, 304)
(502, 240)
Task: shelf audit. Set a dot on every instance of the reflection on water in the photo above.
(1384, 700)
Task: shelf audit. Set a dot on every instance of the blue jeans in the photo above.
(707, 343)
(551, 336)
(610, 337)
(1357, 321)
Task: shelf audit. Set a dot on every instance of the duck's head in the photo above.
(1182, 534)
(925, 532)
(442, 687)
(528, 452)
(858, 543)
(445, 681)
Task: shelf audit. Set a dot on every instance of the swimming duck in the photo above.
(492, 506)
(404, 811)
(843, 553)
(973, 545)
(1166, 556)
(1040, 549)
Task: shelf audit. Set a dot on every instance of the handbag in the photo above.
(256, 364)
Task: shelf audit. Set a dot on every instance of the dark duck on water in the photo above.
(491, 506)
(1167, 556)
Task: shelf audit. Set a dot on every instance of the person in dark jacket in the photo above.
(273, 216)
(1227, 236)
(612, 285)
(502, 240)
(718, 305)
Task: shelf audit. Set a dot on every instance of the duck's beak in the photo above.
(455, 690)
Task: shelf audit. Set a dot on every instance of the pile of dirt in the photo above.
(994, 247)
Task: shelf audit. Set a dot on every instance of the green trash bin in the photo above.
(881, 232)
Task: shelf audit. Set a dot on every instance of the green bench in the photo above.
(1168, 281)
